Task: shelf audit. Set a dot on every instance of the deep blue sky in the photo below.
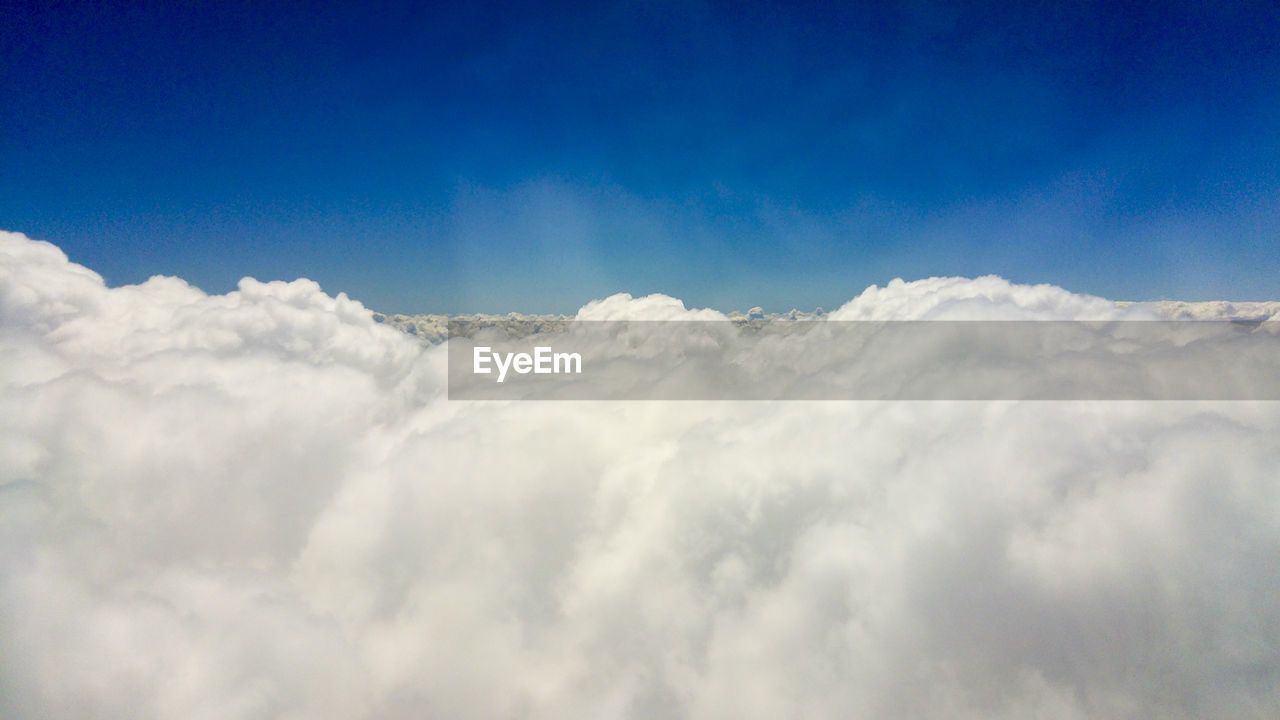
(504, 157)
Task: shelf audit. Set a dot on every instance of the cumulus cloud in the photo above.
(984, 298)
(657, 307)
(262, 504)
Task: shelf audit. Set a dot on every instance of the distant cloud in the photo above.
(261, 504)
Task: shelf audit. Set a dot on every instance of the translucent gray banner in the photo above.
(828, 360)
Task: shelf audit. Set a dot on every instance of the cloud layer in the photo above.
(261, 504)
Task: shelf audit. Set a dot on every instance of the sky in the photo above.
(475, 157)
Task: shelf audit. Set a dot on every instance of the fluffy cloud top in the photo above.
(262, 505)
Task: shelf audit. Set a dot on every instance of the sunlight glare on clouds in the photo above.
(260, 504)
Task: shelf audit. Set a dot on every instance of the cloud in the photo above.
(261, 504)
(984, 298)
(656, 307)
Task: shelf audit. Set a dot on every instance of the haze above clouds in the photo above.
(260, 504)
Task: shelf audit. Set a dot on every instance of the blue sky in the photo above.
(532, 157)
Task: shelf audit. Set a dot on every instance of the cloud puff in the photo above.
(262, 505)
(656, 307)
(984, 298)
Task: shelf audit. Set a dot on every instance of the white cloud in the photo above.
(261, 505)
(623, 306)
(984, 298)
